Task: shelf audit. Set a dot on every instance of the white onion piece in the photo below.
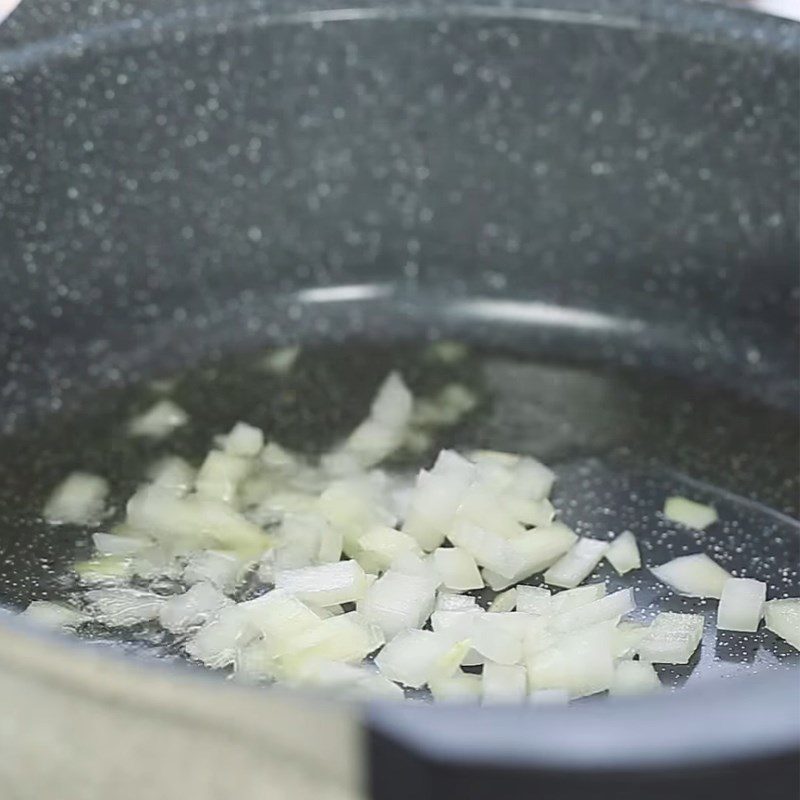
(549, 697)
(488, 549)
(381, 545)
(623, 553)
(104, 569)
(158, 421)
(577, 597)
(121, 607)
(433, 505)
(198, 605)
(532, 479)
(244, 440)
(396, 602)
(346, 680)
(634, 677)
(611, 606)
(347, 637)
(741, 605)
(415, 657)
(503, 683)
(581, 663)
(506, 601)
(216, 567)
(457, 568)
(449, 601)
(410, 563)
(324, 585)
(218, 643)
(110, 544)
(279, 617)
(536, 550)
(78, 500)
(530, 512)
(497, 637)
(782, 617)
(672, 638)
(53, 615)
(696, 575)
(460, 687)
(627, 637)
(482, 506)
(459, 625)
(533, 599)
(306, 538)
(220, 475)
(198, 521)
(689, 513)
(577, 564)
(173, 473)
(254, 660)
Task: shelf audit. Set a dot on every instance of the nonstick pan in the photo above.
(600, 199)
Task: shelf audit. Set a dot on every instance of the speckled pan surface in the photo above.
(611, 183)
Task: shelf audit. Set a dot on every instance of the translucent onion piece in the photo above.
(396, 602)
(782, 617)
(120, 607)
(634, 677)
(182, 612)
(422, 566)
(577, 564)
(279, 616)
(53, 615)
(672, 638)
(457, 569)
(244, 440)
(219, 641)
(623, 553)
(415, 658)
(158, 421)
(78, 500)
(689, 513)
(216, 567)
(507, 601)
(537, 549)
(381, 545)
(741, 605)
(497, 637)
(533, 599)
(532, 479)
(172, 473)
(104, 569)
(433, 504)
(448, 601)
(696, 575)
(346, 680)
(503, 683)
(488, 549)
(460, 687)
(220, 475)
(109, 544)
(324, 585)
(627, 637)
(611, 606)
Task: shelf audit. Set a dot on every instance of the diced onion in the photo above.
(611, 606)
(109, 544)
(503, 683)
(672, 638)
(506, 601)
(244, 440)
(182, 612)
(696, 575)
(119, 607)
(623, 553)
(223, 570)
(461, 687)
(324, 585)
(533, 599)
(397, 602)
(689, 513)
(449, 601)
(415, 658)
(173, 473)
(741, 605)
(381, 545)
(782, 617)
(219, 641)
(158, 421)
(577, 564)
(78, 500)
(457, 569)
(53, 615)
(634, 677)
(220, 475)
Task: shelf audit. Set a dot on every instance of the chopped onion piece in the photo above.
(537, 549)
(696, 575)
(218, 643)
(461, 687)
(741, 605)
(197, 606)
(422, 566)
(448, 601)
(498, 637)
(575, 598)
(53, 615)
(78, 500)
(104, 569)
(173, 473)
(782, 617)
(549, 697)
(415, 657)
(672, 638)
(507, 601)
(532, 479)
(220, 475)
(503, 683)
(279, 617)
(396, 602)
(120, 607)
(244, 440)
(623, 553)
(488, 549)
(324, 585)
(577, 564)
(381, 545)
(533, 599)
(216, 567)
(109, 544)
(457, 568)
(158, 421)
(347, 680)
(611, 606)
(689, 513)
(627, 637)
(634, 677)
(199, 521)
